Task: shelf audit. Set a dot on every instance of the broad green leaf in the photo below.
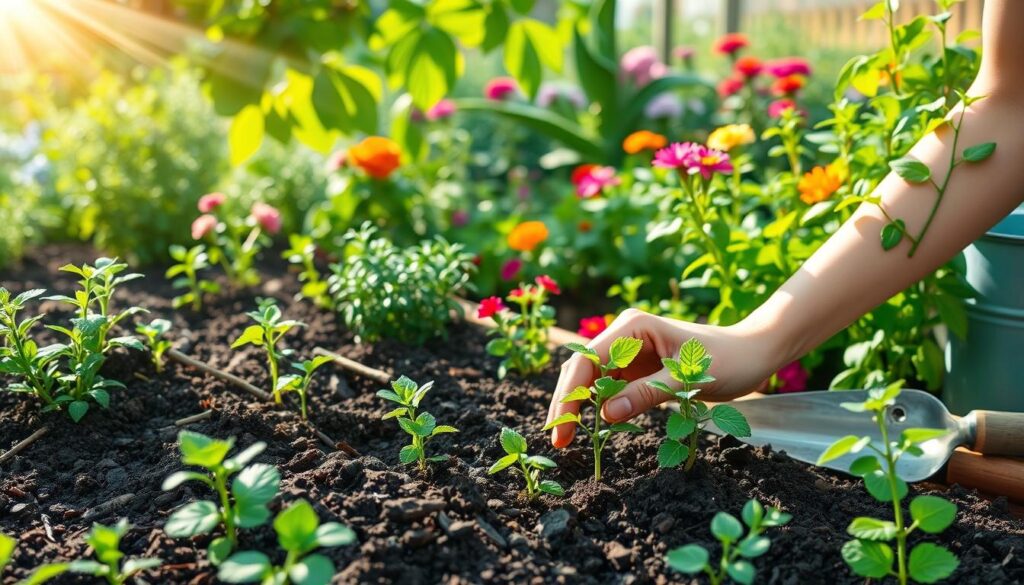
(409, 453)
(877, 484)
(504, 462)
(426, 423)
(661, 386)
(726, 527)
(179, 477)
(867, 558)
(730, 420)
(198, 449)
(431, 69)
(585, 352)
(541, 461)
(932, 514)
(561, 420)
(623, 351)
(753, 547)
(244, 567)
(741, 571)
(679, 427)
(753, 513)
(344, 101)
(334, 534)
(930, 563)
(979, 152)
(580, 393)
(411, 427)
(872, 529)
(389, 395)
(78, 409)
(892, 234)
(550, 486)
(256, 484)
(219, 550)
(608, 387)
(512, 442)
(921, 435)
(689, 559)
(692, 357)
(529, 44)
(910, 169)
(193, 519)
(671, 453)
(864, 465)
(838, 449)
(253, 334)
(296, 527)
(312, 570)
(246, 134)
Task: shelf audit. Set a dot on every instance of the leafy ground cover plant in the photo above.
(190, 262)
(244, 505)
(302, 253)
(869, 555)
(737, 549)
(684, 427)
(522, 336)
(155, 332)
(382, 290)
(299, 383)
(421, 427)
(268, 331)
(530, 466)
(621, 353)
(299, 532)
(20, 356)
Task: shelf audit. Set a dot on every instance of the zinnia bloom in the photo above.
(489, 307)
(527, 235)
(788, 85)
(675, 156)
(377, 156)
(641, 65)
(549, 284)
(730, 86)
(441, 110)
(581, 171)
(819, 184)
(776, 108)
(730, 43)
(728, 137)
(792, 378)
(510, 269)
(788, 66)
(708, 161)
(203, 225)
(594, 183)
(642, 140)
(268, 217)
(591, 327)
(211, 201)
(501, 88)
(748, 66)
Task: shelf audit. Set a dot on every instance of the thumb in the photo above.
(638, 396)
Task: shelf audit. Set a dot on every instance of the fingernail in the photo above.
(619, 408)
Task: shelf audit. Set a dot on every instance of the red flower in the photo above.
(591, 327)
(730, 86)
(748, 66)
(211, 201)
(594, 183)
(549, 284)
(580, 172)
(787, 85)
(517, 294)
(776, 108)
(267, 216)
(489, 307)
(501, 88)
(730, 43)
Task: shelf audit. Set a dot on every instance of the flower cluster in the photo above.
(232, 238)
(788, 74)
(693, 159)
(522, 335)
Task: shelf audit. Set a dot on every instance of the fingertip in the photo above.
(561, 436)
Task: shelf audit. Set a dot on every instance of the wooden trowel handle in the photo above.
(999, 433)
(997, 476)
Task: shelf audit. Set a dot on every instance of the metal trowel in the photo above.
(805, 424)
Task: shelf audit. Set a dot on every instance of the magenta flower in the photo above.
(792, 377)
(268, 217)
(501, 88)
(460, 217)
(511, 269)
(678, 155)
(708, 161)
(490, 307)
(548, 284)
(442, 110)
(788, 66)
(594, 182)
(776, 108)
(211, 201)
(203, 225)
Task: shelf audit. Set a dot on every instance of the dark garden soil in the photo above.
(454, 525)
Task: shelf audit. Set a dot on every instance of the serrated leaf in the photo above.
(580, 393)
(408, 454)
(671, 453)
(689, 559)
(932, 514)
(867, 558)
(584, 351)
(623, 351)
(552, 487)
(930, 563)
(608, 387)
(730, 420)
(679, 426)
(872, 529)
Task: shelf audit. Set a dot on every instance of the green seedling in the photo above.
(521, 336)
(530, 466)
(270, 327)
(422, 427)
(97, 286)
(302, 253)
(299, 533)
(155, 332)
(684, 427)
(84, 357)
(185, 275)
(621, 353)
(243, 506)
(300, 383)
(20, 356)
(869, 555)
(737, 549)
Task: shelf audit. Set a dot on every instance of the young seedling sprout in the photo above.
(684, 427)
(868, 555)
(621, 353)
(299, 532)
(190, 262)
(300, 383)
(530, 466)
(270, 327)
(154, 332)
(422, 427)
(98, 284)
(244, 505)
(35, 368)
(737, 549)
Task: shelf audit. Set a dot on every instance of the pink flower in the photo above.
(792, 377)
(730, 86)
(549, 284)
(641, 65)
(501, 88)
(441, 110)
(684, 53)
(489, 307)
(676, 155)
(776, 108)
(730, 43)
(594, 182)
(591, 327)
(708, 161)
(511, 269)
(581, 171)
(211, 201)
(788, 66)
(203, 225)
(460, 217)
(267, 217)
(337, 161)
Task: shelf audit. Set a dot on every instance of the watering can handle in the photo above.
(999, 433)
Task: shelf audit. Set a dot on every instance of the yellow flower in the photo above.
(527, 236)
(728, 137)
(819, 184)
(642, 140)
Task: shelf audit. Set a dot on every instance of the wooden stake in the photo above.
(355, 367)
(10, 453)
(220, 375)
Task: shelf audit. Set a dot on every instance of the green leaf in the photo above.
(730, 420)
(255, 486)
(45, 573)
(244, 567)
(608, 387)
(503, 463)
(693, 357)
(951, 311)
(409, 453)
(671, 453)
(253, 334)
(541, 462)
(689, 559)
(442, 429)
(623, 351)
(77, 409)
(868, 558)
(663, 387)
(596, 75)
(296, 527)
(198, 449)
(877, 484)
(726, 527)
(411, 427)
(179, 477)
(892, 234)
(219, 550)
(528, 44)
(561, 420)
(864, 465)
(344, 98)
(7, 545)
(431, 68)
(426, 423)
(679, 427)
(512, 442)
(979, 152)
(543, 121)
(839, 448)
(246, 134)
(930, 563)
(872, 529)
(921, 435)
(876, 12)
(753, 513)
(932, 514)
(754, 546)
(625, 428)
(499, 347)
(580, 393)
(193, 519)
(910, 169)
(312, 570)
(584, 351)
(133, 566)
(552, 487)
(331, 534)
(741, 571)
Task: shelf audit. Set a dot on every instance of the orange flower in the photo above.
(819, 184)
(376, 155)
(642, 140)
(527, 236)
(788, 85)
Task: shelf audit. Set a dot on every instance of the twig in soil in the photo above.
(220, 375)
(193, 419)
(10, 453)
(342, 446)
(102, 509)
(48, 529)
(355, 367)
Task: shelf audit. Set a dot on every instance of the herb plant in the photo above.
(98, 284)
(421, 427)
(382, 290)
(869, 555)
(300, 383)
(244, 505)
(299, 532)
(522, 336)
(621, 353)
(302, 253)
(530, 466)
(270, 327)
(737, 549)
(190, 262)
(684, 427)
(20, 356)
(155, 332)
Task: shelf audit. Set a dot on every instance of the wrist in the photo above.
(775, 340)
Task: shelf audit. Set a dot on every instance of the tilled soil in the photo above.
(456, 524)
